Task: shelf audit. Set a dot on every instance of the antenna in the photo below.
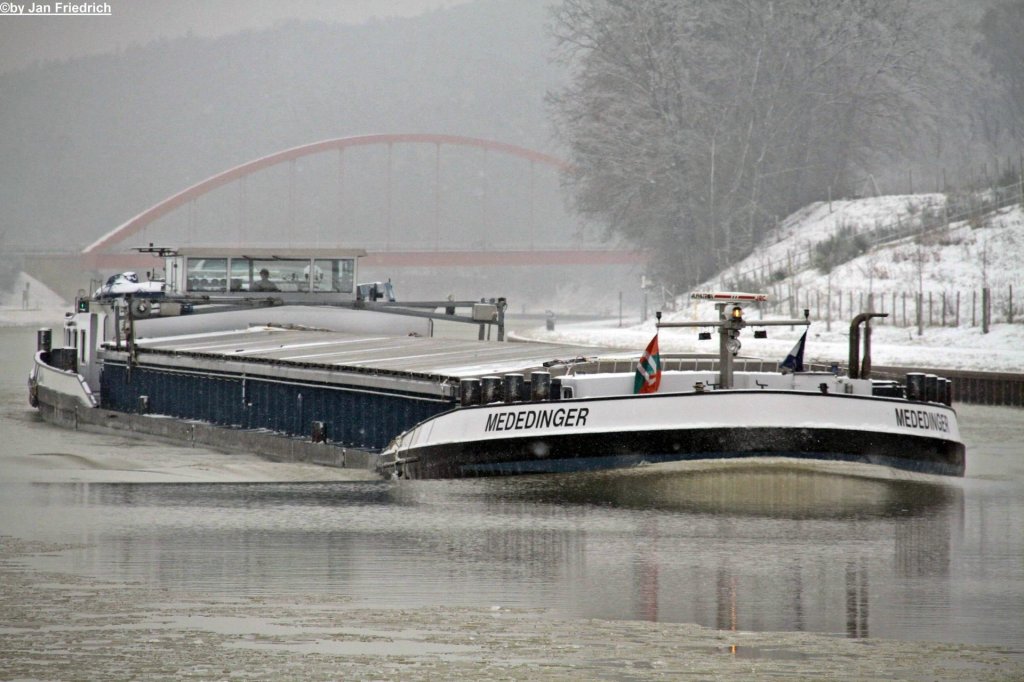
(730, 323)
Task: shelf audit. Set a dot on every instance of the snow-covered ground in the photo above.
(1001, 350)
(961, 259)
(43, 307)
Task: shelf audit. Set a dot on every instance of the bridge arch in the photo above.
(162, 208)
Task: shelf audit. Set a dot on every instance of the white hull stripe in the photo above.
(739, 409)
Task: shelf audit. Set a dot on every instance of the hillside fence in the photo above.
(978, 308)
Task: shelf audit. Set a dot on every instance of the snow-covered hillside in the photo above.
(961, 259)
(791, 244)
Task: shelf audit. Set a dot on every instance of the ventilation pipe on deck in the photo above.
(859, 370)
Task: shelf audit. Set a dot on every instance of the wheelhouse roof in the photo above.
(267, 254)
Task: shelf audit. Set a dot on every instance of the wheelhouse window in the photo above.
(241, 274)
(334, 275)
(267, 275)
(207, 275)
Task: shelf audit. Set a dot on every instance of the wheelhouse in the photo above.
(326, 274)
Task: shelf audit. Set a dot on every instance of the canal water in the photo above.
(711, 570)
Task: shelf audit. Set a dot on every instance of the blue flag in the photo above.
(794, 362)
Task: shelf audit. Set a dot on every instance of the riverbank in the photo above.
(967, 348)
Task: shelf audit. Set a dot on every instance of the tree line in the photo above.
(694, 125)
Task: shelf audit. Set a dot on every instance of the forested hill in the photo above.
(88, 143)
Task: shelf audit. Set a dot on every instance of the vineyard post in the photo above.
(920, 314)
(1009, 307)
(828, 304)
(986, 306)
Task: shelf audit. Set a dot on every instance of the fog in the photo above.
(102, 117)
(132, 23)
(88, 142)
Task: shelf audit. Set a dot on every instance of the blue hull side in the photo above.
(352, 417)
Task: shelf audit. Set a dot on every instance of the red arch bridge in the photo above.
(410, 199)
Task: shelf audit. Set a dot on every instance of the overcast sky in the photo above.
(27, 39)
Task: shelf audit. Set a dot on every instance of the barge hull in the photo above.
(594, 452)
(604, 433)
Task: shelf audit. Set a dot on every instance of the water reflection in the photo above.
(916, 518)
(737, 550)
(856, 599)
(741, 490)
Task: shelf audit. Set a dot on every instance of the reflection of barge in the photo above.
(390, 397)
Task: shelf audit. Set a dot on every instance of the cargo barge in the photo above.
(390, 397)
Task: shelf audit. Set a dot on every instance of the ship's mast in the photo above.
(730, 323)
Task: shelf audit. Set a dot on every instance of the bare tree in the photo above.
(692, 123)
(1002, 45)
